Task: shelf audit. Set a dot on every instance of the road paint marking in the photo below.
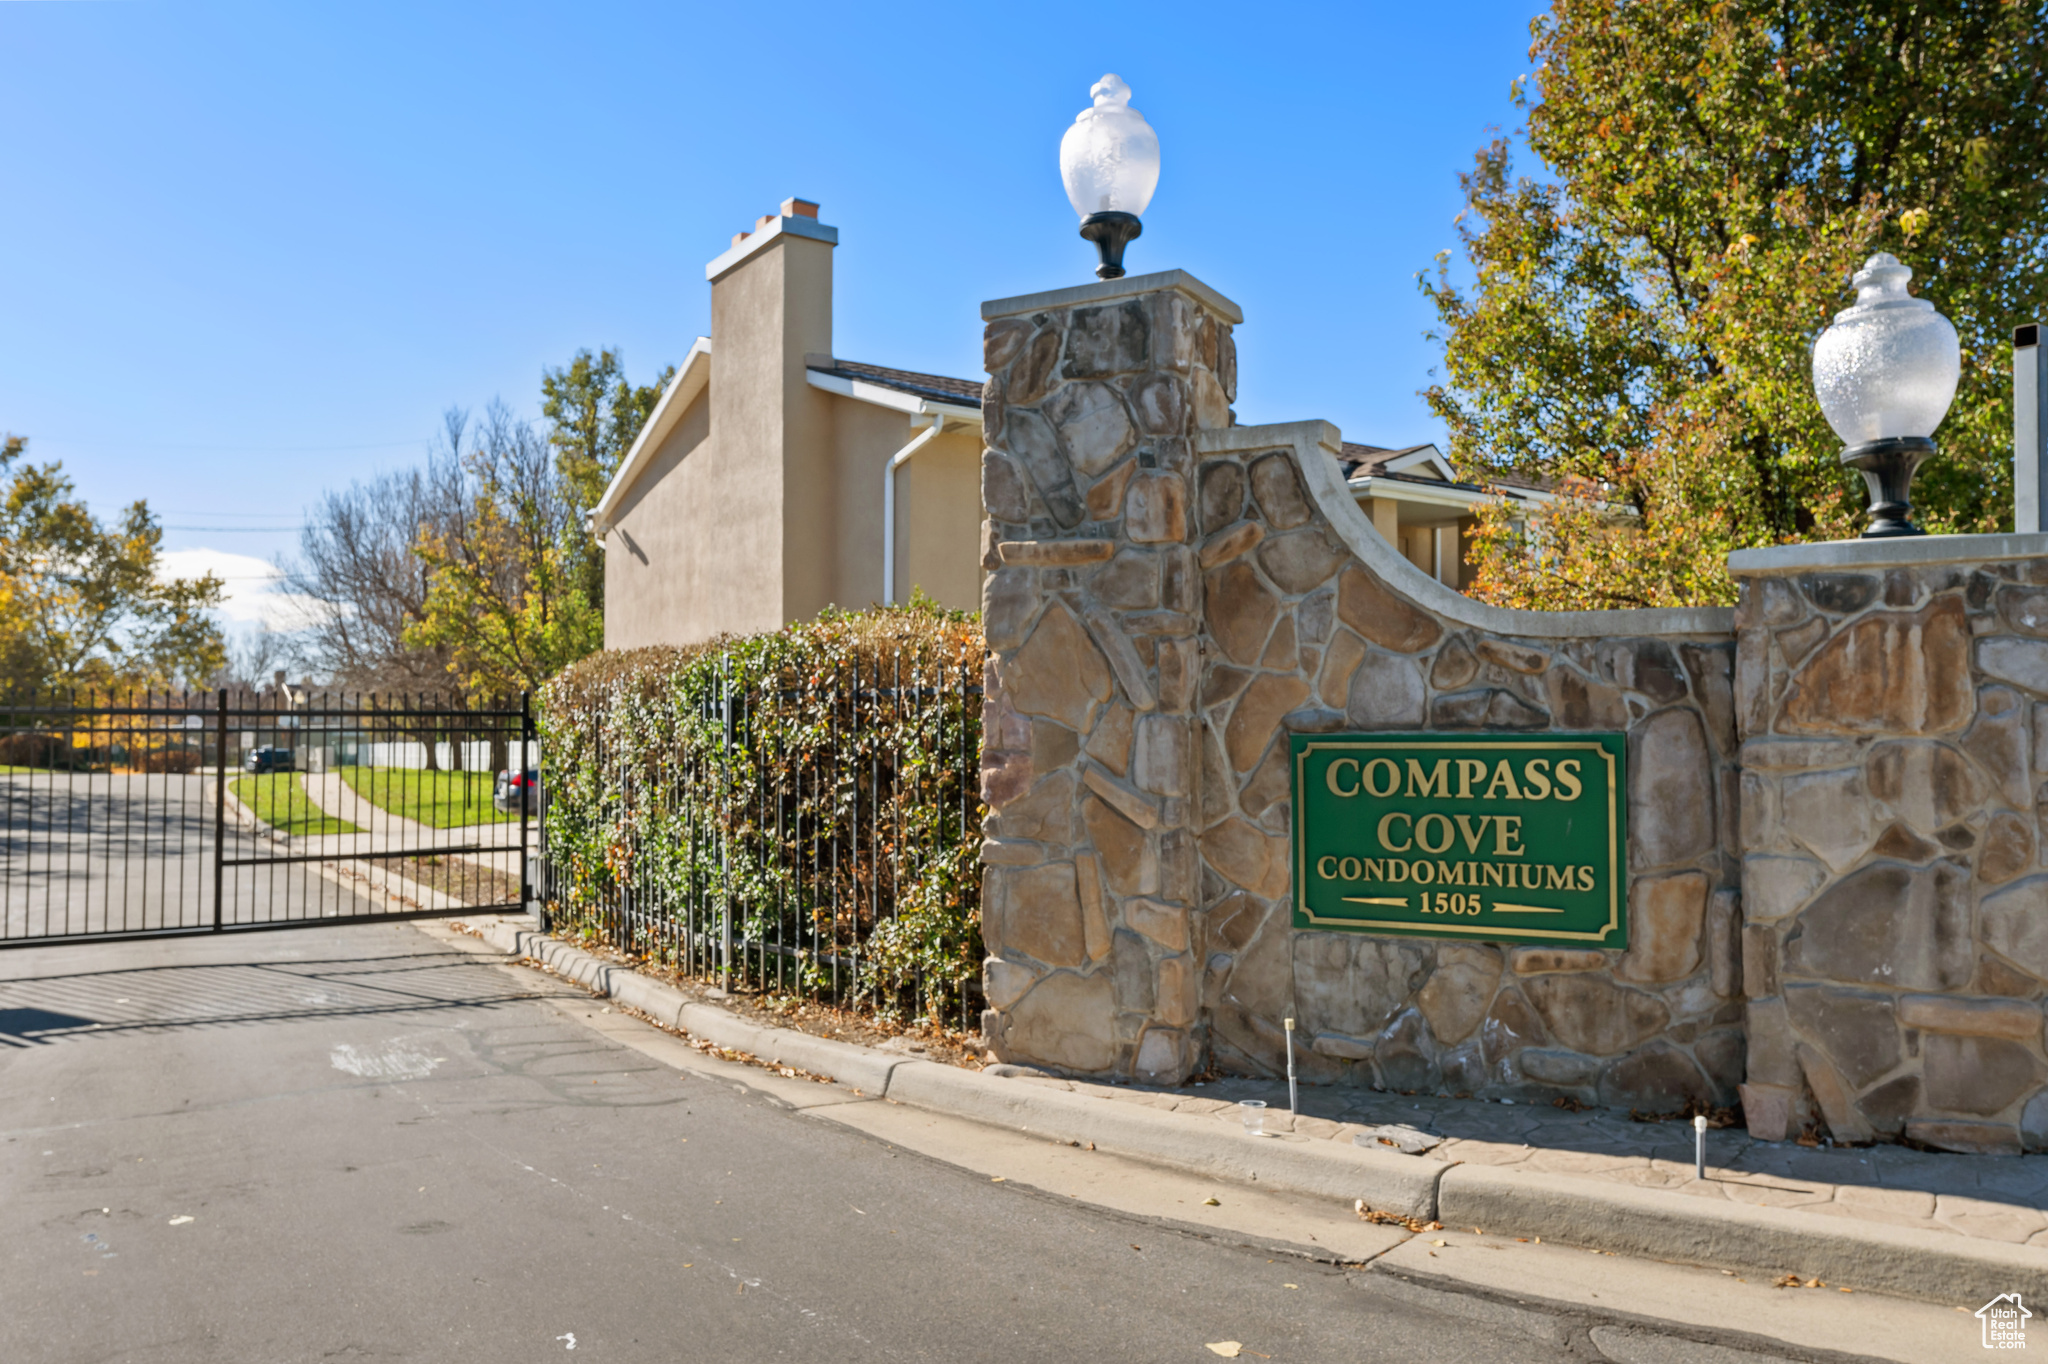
(392, 1060)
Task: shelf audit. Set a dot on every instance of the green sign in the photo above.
(1519, 838)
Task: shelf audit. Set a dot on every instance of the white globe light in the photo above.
(1109, 158)
(1888, 366)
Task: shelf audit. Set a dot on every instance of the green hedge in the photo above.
(808, 796)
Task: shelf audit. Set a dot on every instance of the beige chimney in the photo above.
(771, 305)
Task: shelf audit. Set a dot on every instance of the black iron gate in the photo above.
(179, 813)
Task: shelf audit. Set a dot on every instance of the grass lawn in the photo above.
(439, 800)
(280, 800)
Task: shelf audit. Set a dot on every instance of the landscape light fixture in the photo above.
(1109, 160)
(1885, 373)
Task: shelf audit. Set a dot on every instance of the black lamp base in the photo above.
(1111, 232)
(1888, 467)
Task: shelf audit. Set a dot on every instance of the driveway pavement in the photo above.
(357, 1143)
(104, 852)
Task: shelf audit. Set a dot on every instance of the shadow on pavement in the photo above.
(43, 1009)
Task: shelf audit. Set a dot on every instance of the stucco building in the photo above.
(761, 489)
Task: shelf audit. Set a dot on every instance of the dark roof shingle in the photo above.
(938, 387)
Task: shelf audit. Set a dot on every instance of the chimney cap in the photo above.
(799, 208)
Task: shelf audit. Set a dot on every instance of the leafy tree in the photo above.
(594, 415)
(1638, 323)
(85, 604)
(502, 598)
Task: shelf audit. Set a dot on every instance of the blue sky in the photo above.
(250, 252)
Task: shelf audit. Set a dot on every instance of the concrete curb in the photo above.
(1655, 1224)
(1843, 1252)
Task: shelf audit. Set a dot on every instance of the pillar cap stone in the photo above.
(1128, 287)
(1902, 552)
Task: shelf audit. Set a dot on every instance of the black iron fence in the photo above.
(779, 824)
(167, 813)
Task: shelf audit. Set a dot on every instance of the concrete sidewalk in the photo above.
(1931, 1226)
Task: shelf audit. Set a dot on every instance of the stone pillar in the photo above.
(1092, 607)
(1892, 697)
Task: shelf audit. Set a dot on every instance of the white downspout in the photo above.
(889, 505)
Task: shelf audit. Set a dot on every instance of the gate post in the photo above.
(1092, 611)
(220, 806)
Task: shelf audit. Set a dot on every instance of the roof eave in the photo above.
(691, 377)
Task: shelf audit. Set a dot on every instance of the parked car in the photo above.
(506, 794)
(268, 760)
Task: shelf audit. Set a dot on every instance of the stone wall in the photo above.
(1312, 623)
(1170, 595)
(1894, 699)
(1838, 796)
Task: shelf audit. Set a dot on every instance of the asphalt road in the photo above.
(361, 1143)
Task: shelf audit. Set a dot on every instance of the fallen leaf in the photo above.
(1212, 1203)
(1290, 1285)
(995, 1179)
(1229, 1349)
(1439, 1243)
